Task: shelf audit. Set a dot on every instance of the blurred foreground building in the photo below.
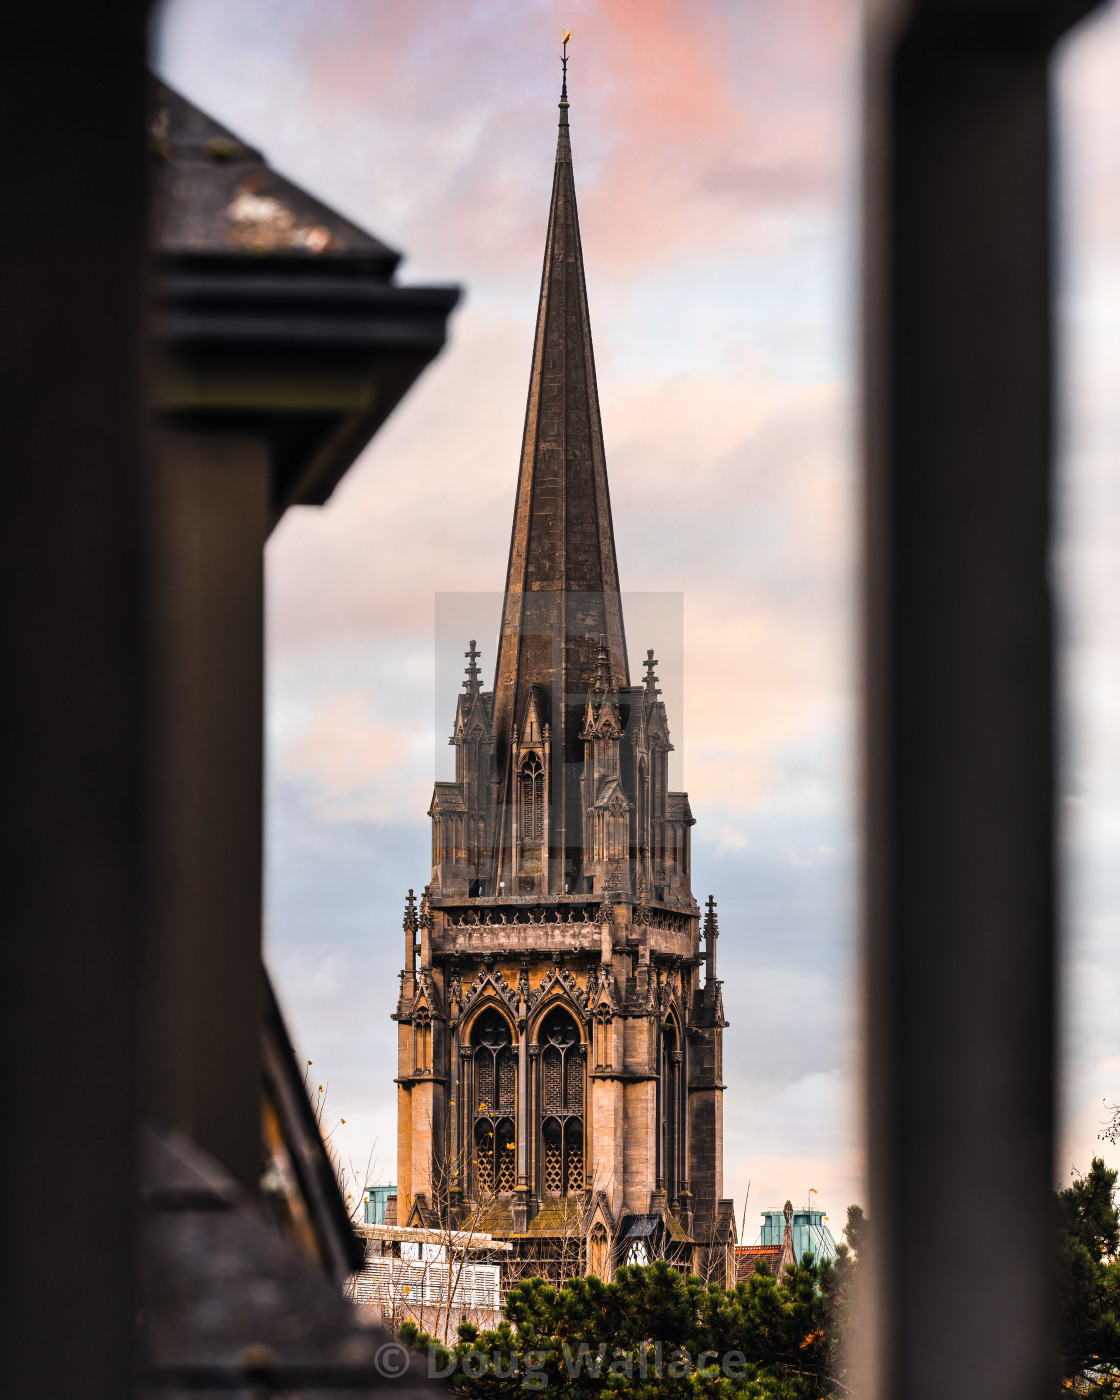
(284, 342)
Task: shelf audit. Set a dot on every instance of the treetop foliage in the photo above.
(1089, 1283)
(653, 1333)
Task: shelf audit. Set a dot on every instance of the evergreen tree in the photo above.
(656, 1335)
(1089, 1283)
(839, 1284)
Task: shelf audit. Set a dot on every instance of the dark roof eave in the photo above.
(332, 309)
(336, 345)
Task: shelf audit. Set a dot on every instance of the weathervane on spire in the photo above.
(564, 61)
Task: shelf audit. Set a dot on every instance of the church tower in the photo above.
(559, 1032)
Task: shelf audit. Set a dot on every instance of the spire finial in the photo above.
(563, 150)
(650, 663)
(711, 933)
(601, 681)
(473, 684)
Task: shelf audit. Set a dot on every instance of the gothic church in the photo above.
(559, 1032)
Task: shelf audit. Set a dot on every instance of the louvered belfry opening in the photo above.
(561, 1098)
(494, 1105)
(670, 1091)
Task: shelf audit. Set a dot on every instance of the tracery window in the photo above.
(561, 1106)
(494, 1105)
(637, 1252)
(532, 799)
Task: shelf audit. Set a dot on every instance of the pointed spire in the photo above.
(410, 924)
(642, 912)
(600, 680)
(650, 663)
(562, 590)
(786, 1259)
(473, 684)
(711, 933)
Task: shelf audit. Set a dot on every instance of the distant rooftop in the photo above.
(811, 1234)
(749, 1256)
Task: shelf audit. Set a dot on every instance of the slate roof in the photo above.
(639, 1227)
(647, 1226)
(216, 1273)
(447, 797)
(494, 1218)
(214, 193)
(717, 1227)
(677, 1232)
(555, 1218)
(275, 315)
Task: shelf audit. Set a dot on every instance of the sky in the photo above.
(716, 163)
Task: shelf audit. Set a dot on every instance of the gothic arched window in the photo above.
(532, 799)
(561, 1106)
(493, 1105)
(670, 1110)
(422, 1040)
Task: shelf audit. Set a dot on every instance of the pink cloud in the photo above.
(687, 118)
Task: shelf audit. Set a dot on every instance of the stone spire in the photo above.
(562, 579)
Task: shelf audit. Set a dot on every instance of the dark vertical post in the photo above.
(71, 727)
(959, 877)
(201, 959)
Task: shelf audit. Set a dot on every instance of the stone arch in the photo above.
(422, 1040)
(599, 1252)
(557, 996)
(489, 1001)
